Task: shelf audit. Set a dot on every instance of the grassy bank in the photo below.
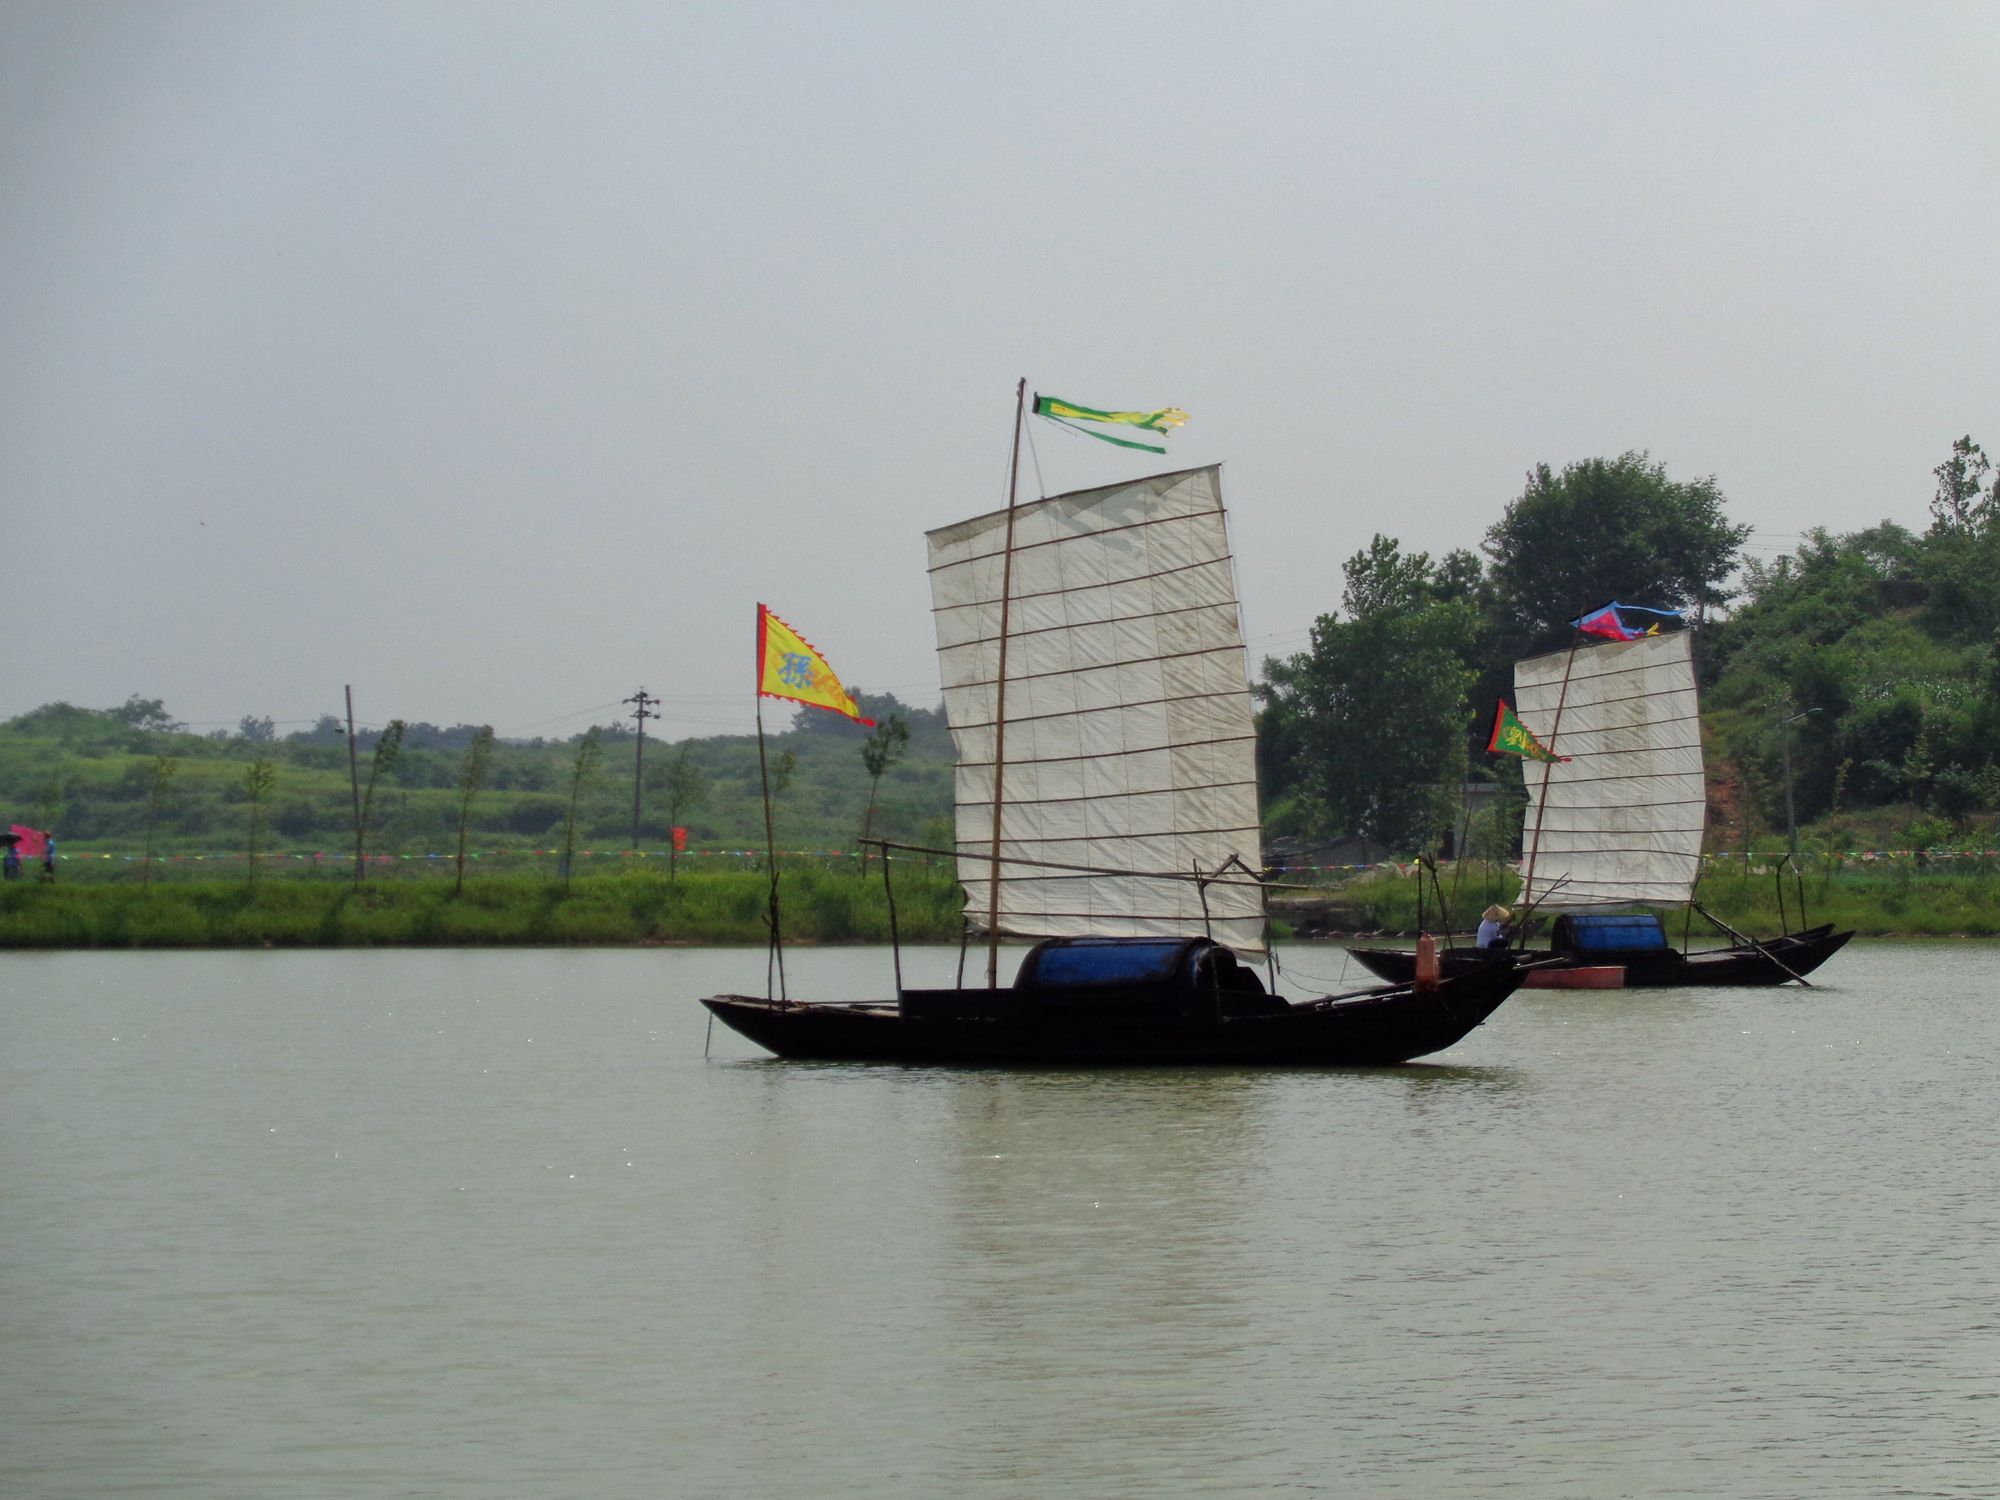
(1900, 902)
(821, 905)
(626, 907)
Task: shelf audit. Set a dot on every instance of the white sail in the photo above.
(1621, 821)
(1128, 740)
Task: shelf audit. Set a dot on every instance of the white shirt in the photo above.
(1489, 933)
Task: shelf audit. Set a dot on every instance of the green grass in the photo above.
(831, 905)
(626, 906)
(1948, 900)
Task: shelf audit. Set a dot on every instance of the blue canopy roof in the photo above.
(1625, 932)
(1097, 961)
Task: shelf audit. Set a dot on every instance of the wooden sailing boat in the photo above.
(1618, 823)
(1095, 683)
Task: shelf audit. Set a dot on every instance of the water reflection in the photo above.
(1421, 1078)
(1096, 1240)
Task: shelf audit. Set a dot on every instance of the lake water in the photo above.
(487, 1224)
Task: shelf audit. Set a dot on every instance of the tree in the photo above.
(1961, 563)
(684, 786)
(257, 731)
(49, 801)
(1606, 529)
(471, 776)
(158, 784)
(1382, 577)
(388, 745)
(822, 723)
(144, 713)
(778, 781)
(328, 729)
(258, 779)
(1376, 710)
(879, 751)
(1965, 500)
(582, 777)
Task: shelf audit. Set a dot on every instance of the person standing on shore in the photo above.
(48, 857)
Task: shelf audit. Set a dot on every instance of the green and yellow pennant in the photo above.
(1511, 737)
(1068, 413)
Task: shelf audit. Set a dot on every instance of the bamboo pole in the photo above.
(776, 959)
(1000, 697)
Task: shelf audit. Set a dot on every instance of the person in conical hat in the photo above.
(1493, 927)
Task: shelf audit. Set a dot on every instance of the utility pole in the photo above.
(643, 710)
(354, 780)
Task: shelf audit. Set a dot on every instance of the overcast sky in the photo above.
(498, 358)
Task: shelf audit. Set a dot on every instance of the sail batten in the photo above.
(1020, 547)
(1620, 822)
(1130, 743)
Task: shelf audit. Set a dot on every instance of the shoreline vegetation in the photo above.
(1850, 708)
(827, 905)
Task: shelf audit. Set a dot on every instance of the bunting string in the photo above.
(1743, 861)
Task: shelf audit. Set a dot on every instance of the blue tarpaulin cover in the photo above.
(1103, 963)
(1625, 933)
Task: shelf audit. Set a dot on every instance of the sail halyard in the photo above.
(1129, 748)
(1621, 821)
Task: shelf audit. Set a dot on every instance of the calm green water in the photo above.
(486, 1224)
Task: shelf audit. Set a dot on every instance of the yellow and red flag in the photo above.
(789, 666)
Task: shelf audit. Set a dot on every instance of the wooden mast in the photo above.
(775, 956)
(1000, 697)
(1542, 801)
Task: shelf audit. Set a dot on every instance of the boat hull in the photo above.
(1593, 977)
(1775, 961)
(1389, 1025)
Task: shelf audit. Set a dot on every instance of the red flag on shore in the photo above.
(33, 843)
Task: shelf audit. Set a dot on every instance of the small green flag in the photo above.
(1068, 413)
(1511, 737)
